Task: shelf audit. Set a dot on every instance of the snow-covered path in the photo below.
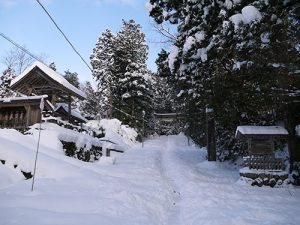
(209, 193)
(165, 183)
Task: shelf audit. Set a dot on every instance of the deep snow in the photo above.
(165, 183)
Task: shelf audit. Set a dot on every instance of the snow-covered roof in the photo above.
(261, 130)
(52, 74)
(74, 112)
(23, 98)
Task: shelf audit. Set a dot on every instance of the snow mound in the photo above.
(52, 135)
(9, 176)
(21, 153)
(115, 132)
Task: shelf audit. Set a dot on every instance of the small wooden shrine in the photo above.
(76, 117)
(20, 112)
(36, 82)
(261, 140)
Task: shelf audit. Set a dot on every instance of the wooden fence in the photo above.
(263, 162)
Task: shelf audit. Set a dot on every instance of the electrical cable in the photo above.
(20, 47)
(63, 34)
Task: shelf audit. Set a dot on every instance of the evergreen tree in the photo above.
(164, 85)
(7, 76)
(133, 78)
(72, 78)
(91, 105)
(102, 61)
(52, 66)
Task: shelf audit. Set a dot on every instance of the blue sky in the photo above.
(82, 21)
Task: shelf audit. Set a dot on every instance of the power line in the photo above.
(20, 47)
(63, 34)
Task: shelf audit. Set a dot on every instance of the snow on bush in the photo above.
(172, 56)
(248, 15)
(54, 134)
(115, 132)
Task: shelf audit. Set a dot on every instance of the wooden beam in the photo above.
(69, 108)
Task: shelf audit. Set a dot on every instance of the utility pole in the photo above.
(38, 144)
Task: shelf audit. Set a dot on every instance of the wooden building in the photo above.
(21, 112)
(62, 111)
(36, 82)
(261, 142)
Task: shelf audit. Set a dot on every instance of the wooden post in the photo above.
(69, 108)
(28, 115)
(108, 152)
(291, 124)
(53, 99)
(210, 135)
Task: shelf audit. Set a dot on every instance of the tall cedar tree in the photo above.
(71, 77)
(91, 105)
(132, 76)
(103, 63)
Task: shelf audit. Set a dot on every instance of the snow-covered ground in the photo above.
(165, 183)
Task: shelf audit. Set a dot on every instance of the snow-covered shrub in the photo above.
(82, 153)
(114, 131)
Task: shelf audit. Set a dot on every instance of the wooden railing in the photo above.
(13, 119)
(263, 162)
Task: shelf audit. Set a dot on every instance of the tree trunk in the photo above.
(210, 135)
(291, 124)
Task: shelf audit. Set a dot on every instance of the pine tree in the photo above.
(102, 61)
(6, 78)
(72, 77)
(133, 78)
(91, 105)
(52, 66)
(164, 85)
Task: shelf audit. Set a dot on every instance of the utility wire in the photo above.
(20, 47)
(63, 34)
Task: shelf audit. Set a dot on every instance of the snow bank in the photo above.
(21, 153)
(122, 135)
(9, 176)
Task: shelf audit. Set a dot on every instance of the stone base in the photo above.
(264, 178)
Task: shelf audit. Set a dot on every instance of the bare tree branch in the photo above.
(18, 60)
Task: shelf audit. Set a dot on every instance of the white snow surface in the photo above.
(165, 183)
(261, 130)
(51, 73)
